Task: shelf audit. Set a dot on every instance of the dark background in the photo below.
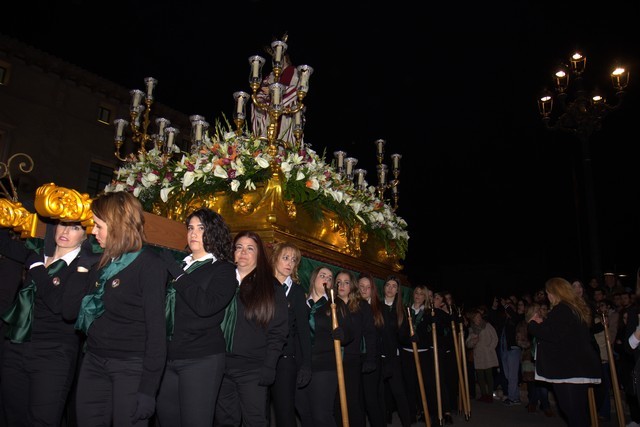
(494, 202)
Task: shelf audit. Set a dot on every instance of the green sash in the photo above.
(170, 302)
(92, 305)
(229, 321)
(20, 316)
(312, 320)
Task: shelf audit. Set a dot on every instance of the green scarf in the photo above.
(312, 320)
(170, 302)
(92, 305)
(229, 321)
(20, 316)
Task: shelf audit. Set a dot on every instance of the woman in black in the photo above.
(196, 299)
(255, 329)
(394, 317)
(41, 348)
(449, 385)
(123, 316)
(315, 402)
(294, 366)
(360, 355)
(424, 343)
(565, 355)
(372, 384)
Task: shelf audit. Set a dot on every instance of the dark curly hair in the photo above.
(216, 238)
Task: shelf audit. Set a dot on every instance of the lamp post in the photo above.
(580, 114)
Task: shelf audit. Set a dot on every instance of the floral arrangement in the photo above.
(235, 164)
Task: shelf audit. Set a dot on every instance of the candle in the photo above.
(136, 97)
(255, 68)
(198, 124)
(151, 83)
(297, 118)
(278, 54)
(171, 134)
(162, 124)
(380, 146)
(120, 124)
(305, 71)
(360, 173)
(339, 155)
(396, 161)
(276, 93)
(351, 162)
(382, 174)
(240, 101)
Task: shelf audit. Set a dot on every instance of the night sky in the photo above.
(494, 202)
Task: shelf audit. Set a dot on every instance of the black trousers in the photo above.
(395, 384)
(573, 400)
(283, 392)
(189, 391)
(352, 367)
(241, 400)
(315, 402)
(106, 393)
(373, 392)
(412, 385)
(36, 380)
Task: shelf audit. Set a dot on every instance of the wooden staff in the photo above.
(593, 412)
(464, 367)
(462, 404)
(338, 350)
(436, 364)
(614, 375)
(416, 359)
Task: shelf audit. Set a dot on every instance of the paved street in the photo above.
(497, 414)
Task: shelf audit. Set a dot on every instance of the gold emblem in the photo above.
(115, 283)
(56, 281)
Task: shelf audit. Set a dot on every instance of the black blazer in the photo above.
(133, 323)
(363, 328)
(299, 339)
(564, 348)
(201, 297)
(48, 322)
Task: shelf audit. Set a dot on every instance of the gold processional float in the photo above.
(271, 183)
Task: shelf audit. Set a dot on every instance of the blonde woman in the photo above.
(564, 354)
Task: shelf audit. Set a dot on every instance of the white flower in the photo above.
(164, 193)
(220, 172)
(120, 187)
(262, 162)
(131, 180)
(356, 205)
(136, 191)
(235, 184)
(300, 176)
(313, 184)
(149, 179)
(250, 185)
(187, 179)
(286, 167)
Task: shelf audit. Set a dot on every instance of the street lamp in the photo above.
(580, 113)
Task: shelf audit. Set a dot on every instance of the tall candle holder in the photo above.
(384, 183)
(140, 119)
(273, 105)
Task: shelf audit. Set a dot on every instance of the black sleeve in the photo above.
(209, 300)
(278, 328)
(303, 330)
(369, 332)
